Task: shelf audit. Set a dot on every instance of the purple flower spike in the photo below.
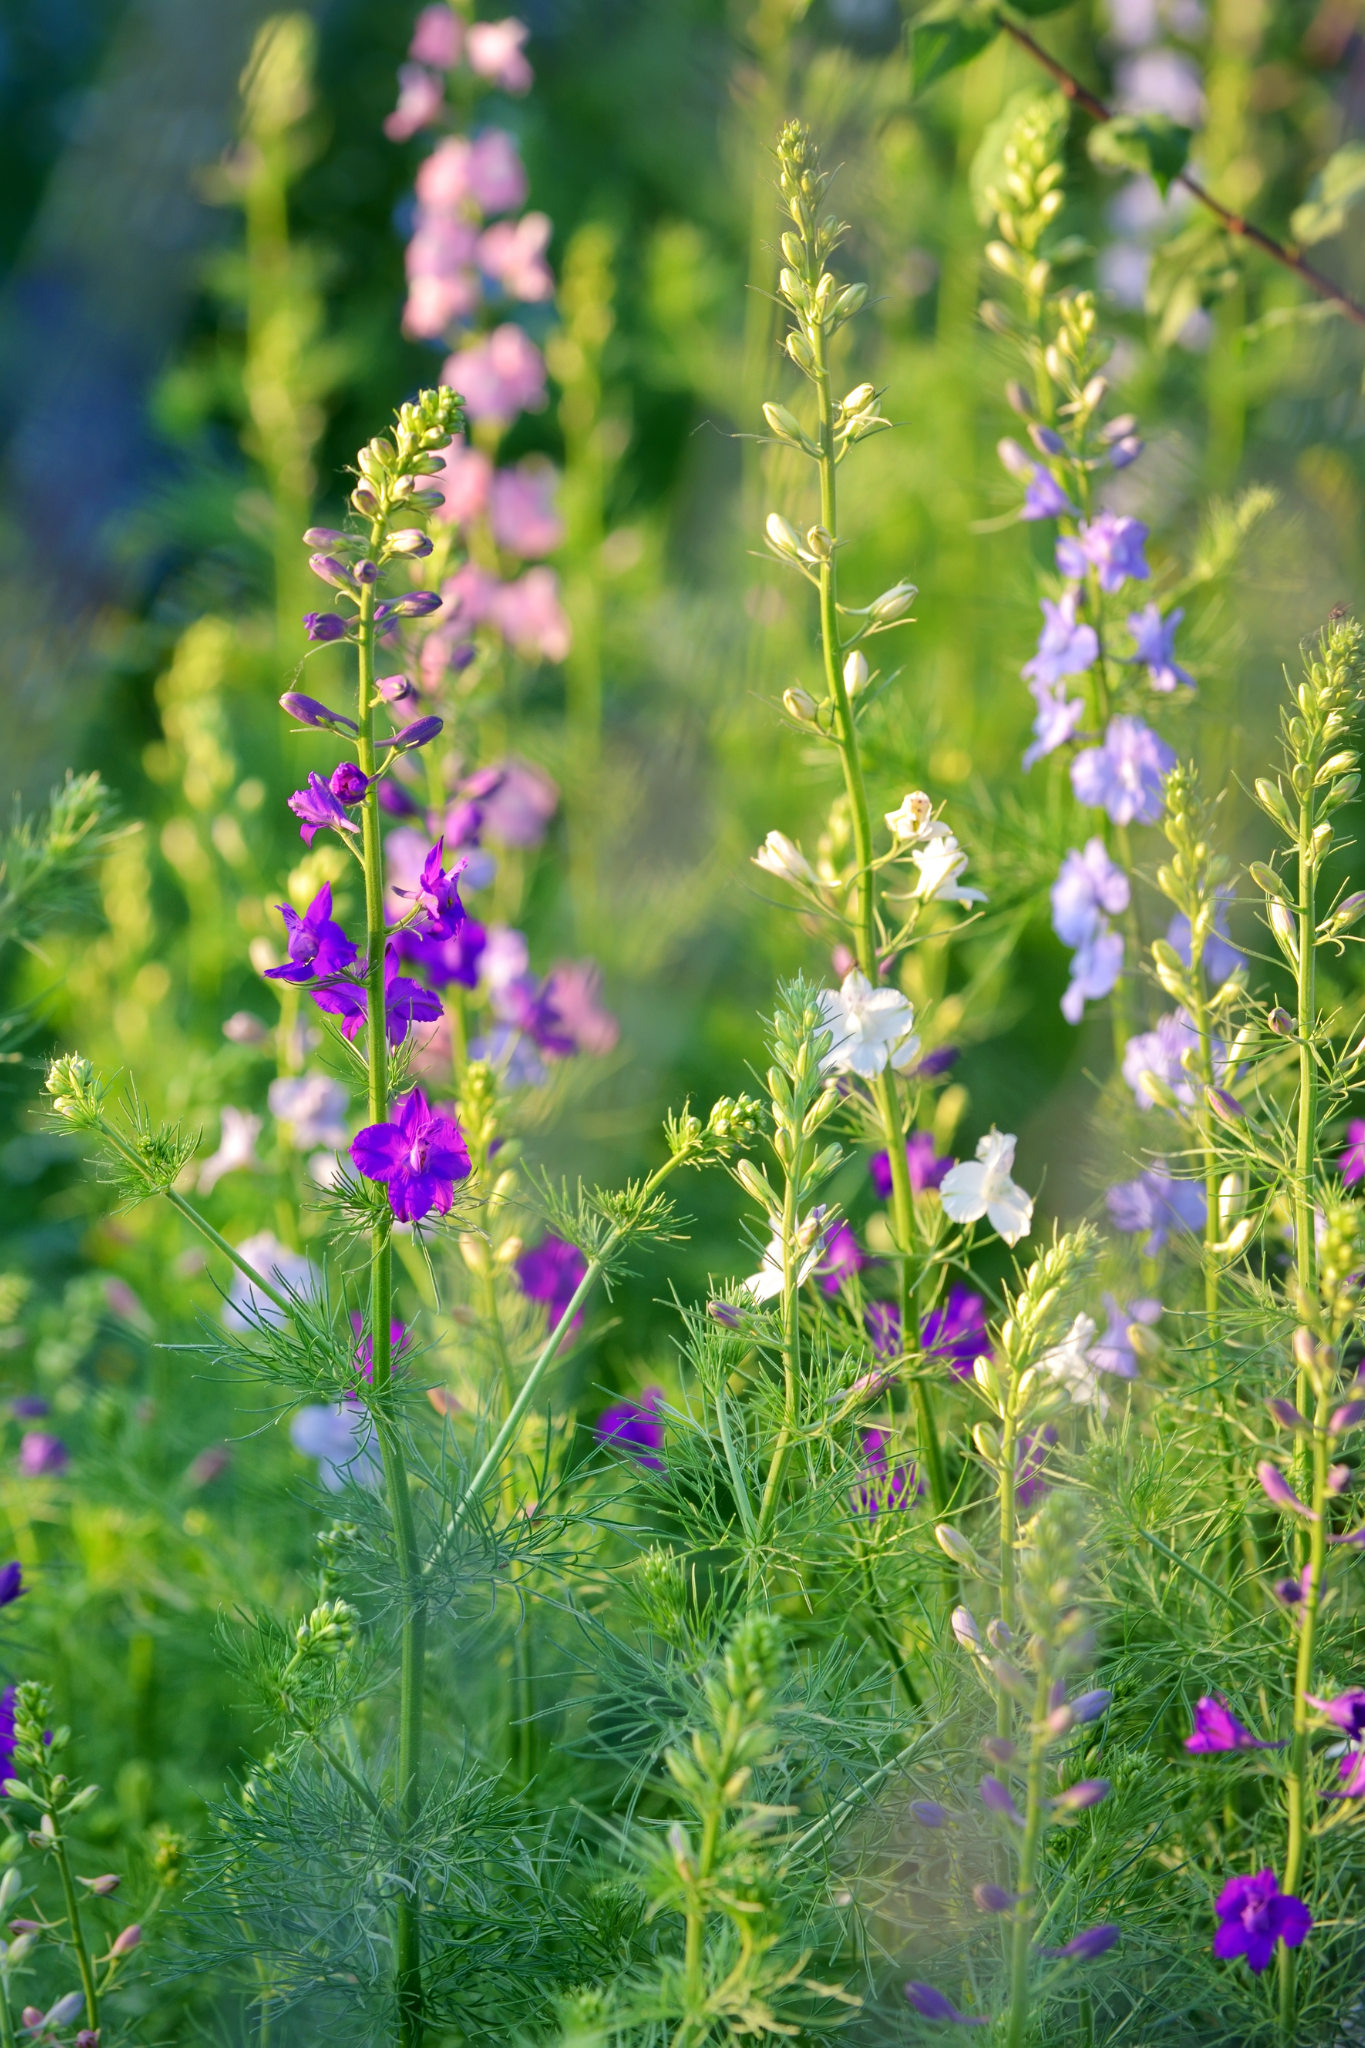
(1081, 1796)
(309, 711)
(1111, 545)
(926, 1167)
(41, 1455)
(325, 625)
(1084, 1947)
(415, 735)
(318, 810)
(550, 1273)
(317, 945)
(993, 1898)
(420, 1156)
(928, 1813)
(932, 2005)
(995, 1797)
(1124, 775)
(1277, 1488)
(417, 604)
(1346, 1711)
(12, 1586)
(1253, 1915)
(956, 1333)
(1217, 1730)
(438, 894)
(636, 1426)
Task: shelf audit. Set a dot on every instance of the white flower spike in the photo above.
(941, 862)
(982, 1187)
(869, 1026)
(782, 857)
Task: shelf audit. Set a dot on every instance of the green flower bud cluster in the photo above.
(391, 467)
(77, 1091)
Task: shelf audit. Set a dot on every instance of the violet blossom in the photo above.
(550, 1272)
(517, 801)
(635, 1426)
(573, 989)
(309, 711)
(325, 626)
(526, 1005)
(319, 810)
(12, 1585)
(512, 254)
(956, 1332)
(1351, 1161)
(1111, 545)
(311, 1108)
(437, 895)
(1158, 1203)
(882, 1321)
(1064, 647)
(522, 514)
(1088, 887)
(42, 1456)
(1095, 970)
(444, 961)
(1220, 957)
(437, 38)
(1217, 1731)
(419, 1155)
(841, 1259)
(341, 1438)
(1155, 648)
(932, 2005)
(1346, 1710)
(1158, 1052)
(406, 1003)
(486, 170)
(1085, 1946)
(1030, 1458)
(364, 1350)
(887, 1485)
(291, 1273)
(1113, 1351)
(1054, 724)
(1254, 1915)
(317, 945)
(1124, 775)
(420, 101)
(926, 1166)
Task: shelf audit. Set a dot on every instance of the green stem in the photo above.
(1306, 1149)
(73, 1914)
(1028, 1863)
(357, 1784)
(1212, 1224)
(1008, 1455)
(1296, 1785)
(791, 1352)
(7, 2039)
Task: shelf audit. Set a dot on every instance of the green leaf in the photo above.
(1033, 8)
(1332, 194)
(1142, 142)
(947, 36)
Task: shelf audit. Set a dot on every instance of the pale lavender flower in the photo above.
(341, 1440)
(1155, 648)
(1111, 545)
(997, 1799)
(1095, 970)
(236, 1148)
(41, 1455)
(1114, 1352)
(1044, 498)
(1220, 957)
(1064, 647)
(1158, 1052)
(1124, 775)
(1157, 1203)
(1089, 885)
(1054, 723)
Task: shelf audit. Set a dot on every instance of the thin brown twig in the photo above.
(1279, 252)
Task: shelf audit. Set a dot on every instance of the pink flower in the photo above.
(522, 512)
(516, 802)
(420, 99)
(464, 481)
(514, 253)
(487, 172)
(1351, 1164)
(437, 38)
(468, 597)
(500, 376)
(443, 246)
(529, 615)
(494, 49)
(574, 988)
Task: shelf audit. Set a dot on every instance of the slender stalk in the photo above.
(1009, 1441)
(7, 2039)
(1306, 1148)
(791, 1349)
(1296, 1781)
(1212, 1225)
(1028, 1865)
(73, 1914)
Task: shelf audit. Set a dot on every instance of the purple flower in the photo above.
(1089, 885)
(1277, 1489)
(1044, 498)
(840, 1259)
(364, 1350)
(928, 1813)
(1155, 648)
(28, 1407)
(325, 625)
(993, 1898)
(941, 1060)
(956, 1333)
(1030, 1457)
(317, 946)
(438, 896)
(887, 1486)
(7, 1729)
(518, 801)
(1057, 718)
(574, 989)
(550, 1272)
(1346, 1711)
(347, 784)
(12, 1585)
(1084, 1947)
(1220, 957)
(1113, 1352)
(406, 1002)
(635, 1425)
(40, 1454)
(932, 2005)
(926, 1167)
(528, 1006)
(1158, 1052)
(319, 809)
(309, 711)
(996, 1798)
(329, 570)
(1157, 1203)
(445, 960)
(1217, 1729)
(414, 604)
(417, 734)
(1253, 1915)
(1064, 648)
(1351, 1771)
(1124, 775)
(1111, 545)
(1351, 1163)
(420, 1155)
(1095, 970)
(882, 1321)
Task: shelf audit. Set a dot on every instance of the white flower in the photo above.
(236, 1149)
(940, 862)
(780, 856)
(914, 817)
(341, 1440)
(1073, 1365)
(312, 1107)
(982, 1187)
(290, 1272)
(869, 1026)
(770, 1278)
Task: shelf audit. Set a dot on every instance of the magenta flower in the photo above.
(1351, 1163)
(438, 896)
(528, 1006)
(347, 784)
(517, 800)
(443, 961)
(932, 2005)
(1278, 1490)
(1064, 647)
(840, 1260)
(882, 1321)
(512, 254)
(419, 1155)
(1253, 1915)
(530, 617)
(636, 1426)
(887, 1486)
(956, 1332)
(437, 38)
(1351, 1771)
(1109, 544)
(41, 1455)
(1084, 1947)
(317, 945)
(12, 1585)
(926, 1167)
(364, 1351)
(521, 501)
(1217, 1730)
(488, 171)
(319, 810)
(1124, 775)
(406, 1003)
(421, 99)
(1346, 1711)
(550, 1272)
(573, 989)
(1155, 648)
(500, 376)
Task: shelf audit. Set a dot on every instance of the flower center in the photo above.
(417, 1156)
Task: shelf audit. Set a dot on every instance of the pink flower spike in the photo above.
(495, 53)
(1277, 1489)
(420, 100)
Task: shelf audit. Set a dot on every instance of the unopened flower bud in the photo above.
(125, 1943)
(1015, 459)
(895, 602)
(999, 1634)
(782, 536)
(1305, 1350)
(1018, 400)
(855, 672)
(1094, 392)
(1046, 439)
(954, 1545)
(800, 705)
(103, 1886)
(726, 1314)
(1280, 1022)
(330, 570)
(366, 572)
(965, 1628)
(860, 397)
(414, 604)
(1125, 451)
(1282, 924)
(395, 690)
(928, 1813)
(309, 711)
(779, 856)
(819, 543)
(1347, 911)
(409, 540)
(1077, 1798)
